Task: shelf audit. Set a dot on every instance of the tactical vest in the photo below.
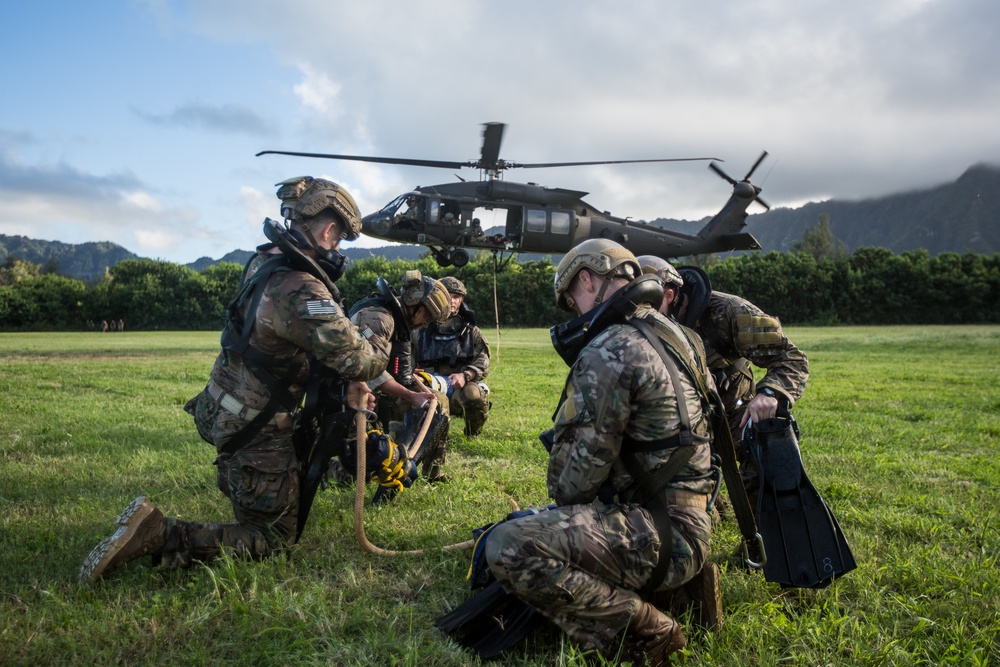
(454, 349)
(274, 373)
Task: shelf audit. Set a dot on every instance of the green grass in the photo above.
(899, 432)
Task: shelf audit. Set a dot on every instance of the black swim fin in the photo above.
(804, 543)
(490, 622)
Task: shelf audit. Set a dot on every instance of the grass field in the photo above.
(900, 430)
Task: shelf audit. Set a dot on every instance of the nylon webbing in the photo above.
(650, 485)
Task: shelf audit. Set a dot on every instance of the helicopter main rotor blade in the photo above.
(536, 165)
(382, 160)
(492, 136)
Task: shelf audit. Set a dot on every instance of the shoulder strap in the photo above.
(236, 340)
(723, 444)
(685, 442)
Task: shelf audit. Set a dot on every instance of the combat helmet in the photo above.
(305, 196)
(662, 268)
(454, 285)
(602, 256)
(422, 290)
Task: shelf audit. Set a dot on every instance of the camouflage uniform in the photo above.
(458, 346)
(582, 564)
(296, 313)
(379, 320)
(736, 334)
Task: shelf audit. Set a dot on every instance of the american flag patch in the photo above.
(322, 307)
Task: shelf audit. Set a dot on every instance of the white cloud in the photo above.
(317, 92)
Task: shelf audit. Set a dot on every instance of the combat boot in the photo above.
(142, 531)
(474, 422)
(652, 637)
(705, 594)
(702, 595)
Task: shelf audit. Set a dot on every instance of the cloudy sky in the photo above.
(137, 121)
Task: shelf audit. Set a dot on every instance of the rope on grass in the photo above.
(359, 490)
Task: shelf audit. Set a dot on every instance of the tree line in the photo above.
(811, 285)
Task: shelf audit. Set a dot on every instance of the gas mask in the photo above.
(292, 242)
(570, 337)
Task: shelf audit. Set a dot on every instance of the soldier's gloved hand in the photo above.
(388, 464)
(359, 396)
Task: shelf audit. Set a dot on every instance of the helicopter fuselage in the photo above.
(540, 220)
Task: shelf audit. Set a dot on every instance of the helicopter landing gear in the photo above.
(459, 257)
(440, 256)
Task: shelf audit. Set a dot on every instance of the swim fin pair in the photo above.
(490, 622)
(804, 544)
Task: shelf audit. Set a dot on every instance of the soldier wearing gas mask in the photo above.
(629, 467)
(456, 355)
(286, 331)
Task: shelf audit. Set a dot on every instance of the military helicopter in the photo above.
(538, 219)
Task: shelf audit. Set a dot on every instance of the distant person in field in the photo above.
(458, 351)
(736, 334)
(285, 322)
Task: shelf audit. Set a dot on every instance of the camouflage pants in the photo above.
(472, 402)
(581, 565)
(262, 482)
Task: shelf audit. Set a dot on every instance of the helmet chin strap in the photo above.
(605, 283)
(309, 237)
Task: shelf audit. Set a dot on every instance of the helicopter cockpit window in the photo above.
(394, 205)
(433, 209)
(560, 222)
(535, 220)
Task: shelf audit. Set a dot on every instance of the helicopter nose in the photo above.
(374, 225)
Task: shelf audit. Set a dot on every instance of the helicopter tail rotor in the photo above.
(744, 187)
(755, 165)
(723, 175)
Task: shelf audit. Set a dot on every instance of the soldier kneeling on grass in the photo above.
(456, 354)
(284, 327)
(629, 467)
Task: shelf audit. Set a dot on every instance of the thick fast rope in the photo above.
(359, 490)
(496, 310)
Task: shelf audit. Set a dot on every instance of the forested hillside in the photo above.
(963, 216)
(870, 286)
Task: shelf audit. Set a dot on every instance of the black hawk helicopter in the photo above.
(539, 219)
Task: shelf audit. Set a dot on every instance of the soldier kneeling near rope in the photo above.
(456, 358)
(394, 316)
(287, 343)
(629, 467)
